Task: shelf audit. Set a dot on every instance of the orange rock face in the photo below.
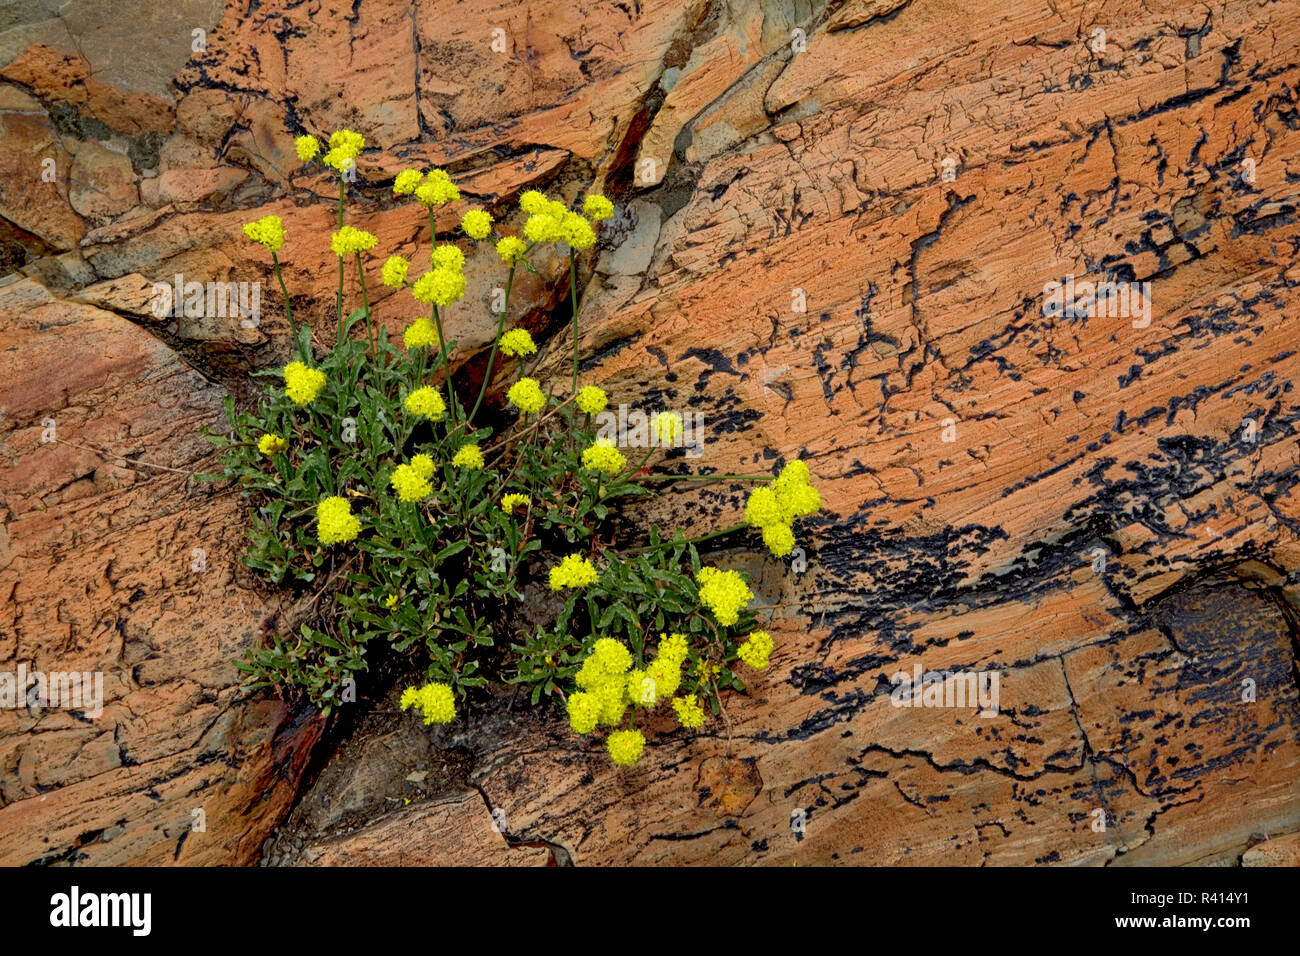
(851, 232)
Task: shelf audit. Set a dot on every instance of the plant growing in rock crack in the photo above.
(370, 480)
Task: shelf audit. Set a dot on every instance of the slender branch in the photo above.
(109, 456)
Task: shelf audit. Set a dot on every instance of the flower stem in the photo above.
(288, 306)
(573, 295)
(437, 322)
(487, 376)
(365, 302)
(342, 189)
(446, 365)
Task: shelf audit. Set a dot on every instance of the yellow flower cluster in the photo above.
(425, 402)
(345, 147)
(270, 444)
(774, 508)
(609, 685)
(335, 522)
(592, 400)
(511, 250)
(350, 240)
(518, 342)
(269, 231)
(411, 482)
(448, 257)
(550, 221)
(574, 571)
(512, 501)
(437, 189)
(407, 181)
(526, 395)
(394, 272)
(724, 593)
(468, 456)
(597, 207)
(625, 746)
(420, 334)
(302, 384)
(603, 456)
(307, 147)
(441, 286)
(476, 223)
(435, 701)
(689, 712)
(756, 650)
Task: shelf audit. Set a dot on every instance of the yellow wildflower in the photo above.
(625, 746)
(756, 651)
(394, 272)
(268, 231)
(518, 342)
(437, 189)
(673, 648)
(511, 249)
(421, 333)
(584, 711)
(409, 484)
(592, 400)
(468, 456)
(577, 231)
(406, 181)
(603, 456)
(689, 712)
(447, 256)
(307, 147)
(574, 571)
(435, 701)
(724, 593)
(779, 539)
(543, 228)
(426, 402)
(441, 286)
(335, 522)
(512, 501)
(532, 201)
(526, 395)
(302, 384)
(270, 444)
(350, 240)
(476, 223)
(597, 207)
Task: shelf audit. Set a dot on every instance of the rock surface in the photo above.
(838, 225)
(117, 563)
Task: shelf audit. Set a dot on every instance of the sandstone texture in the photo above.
(838, 224)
